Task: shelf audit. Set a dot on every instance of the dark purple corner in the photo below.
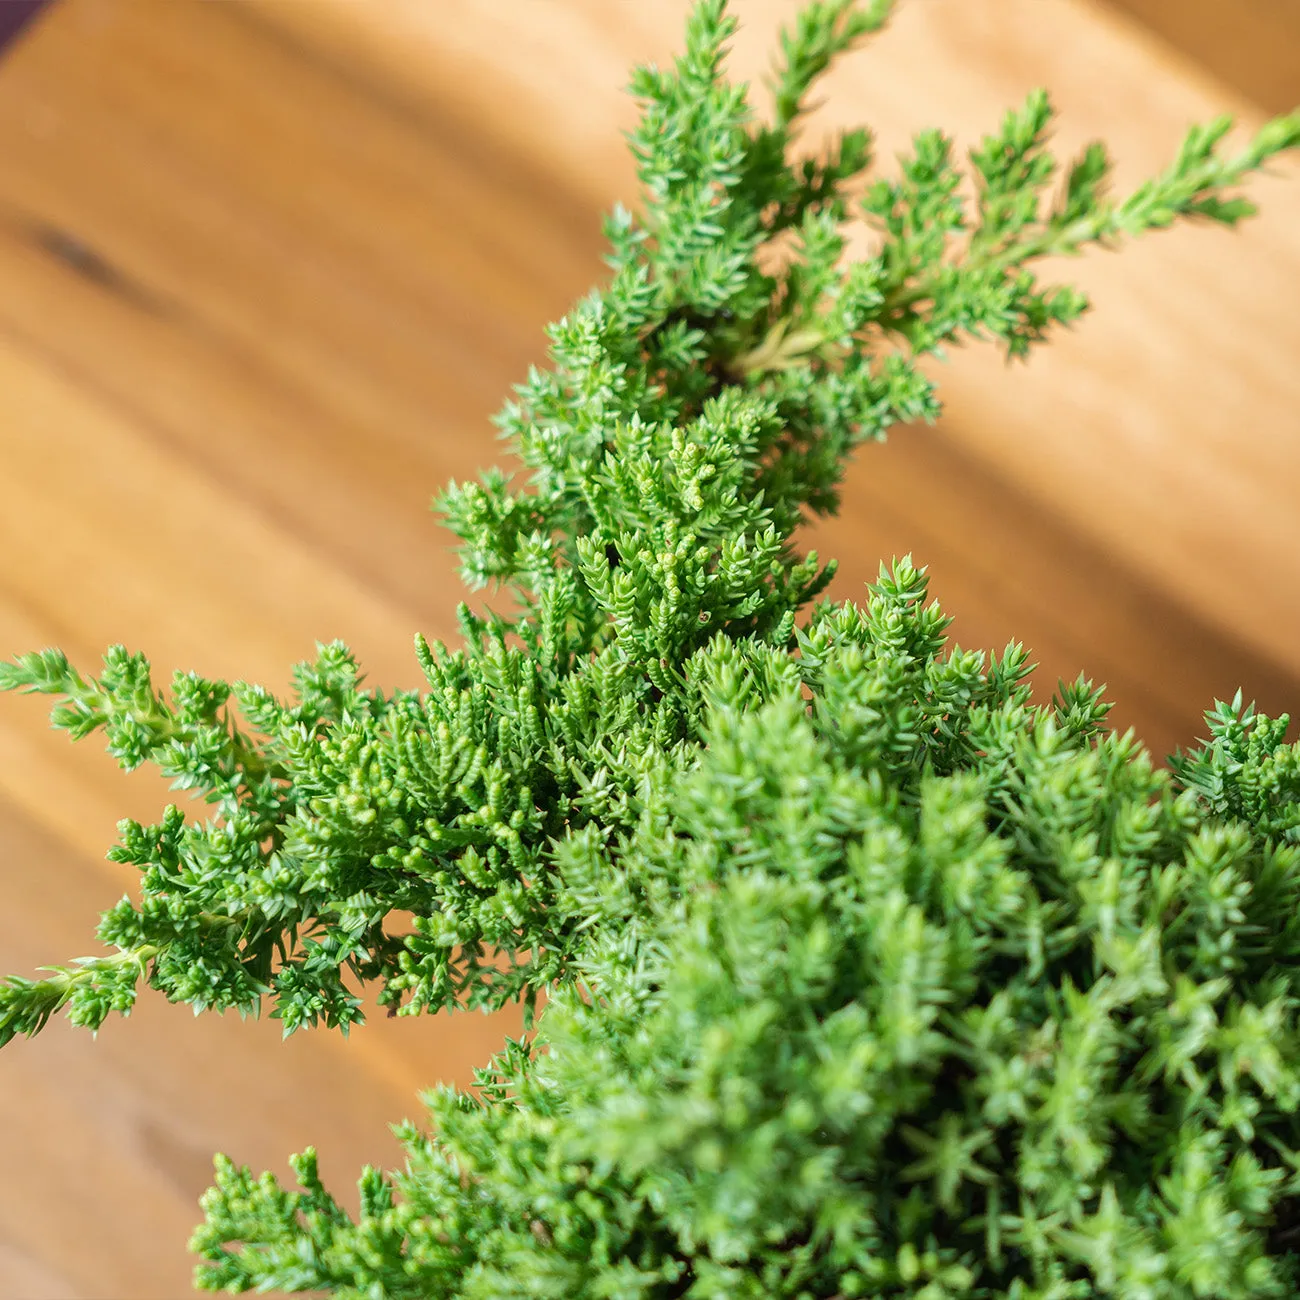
(14, 16)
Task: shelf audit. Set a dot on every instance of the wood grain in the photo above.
(1143, 411)
(1252, 46)
(269, 267)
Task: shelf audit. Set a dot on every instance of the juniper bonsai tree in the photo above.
(862, 974)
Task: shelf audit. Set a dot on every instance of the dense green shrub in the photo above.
(863, 975)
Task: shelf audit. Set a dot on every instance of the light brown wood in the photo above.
(1142, 410)
(1253, 46)
(268, 269)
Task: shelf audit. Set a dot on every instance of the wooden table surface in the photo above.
(268, 267)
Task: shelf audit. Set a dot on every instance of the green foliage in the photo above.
(865, 976)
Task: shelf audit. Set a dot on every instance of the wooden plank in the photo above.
(1162, 429)
(167, 229)
(1252, 46)
(140, 505)
(1006, 568)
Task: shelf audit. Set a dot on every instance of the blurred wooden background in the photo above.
(268, 266)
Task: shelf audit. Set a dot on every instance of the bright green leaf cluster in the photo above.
(864, 975)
